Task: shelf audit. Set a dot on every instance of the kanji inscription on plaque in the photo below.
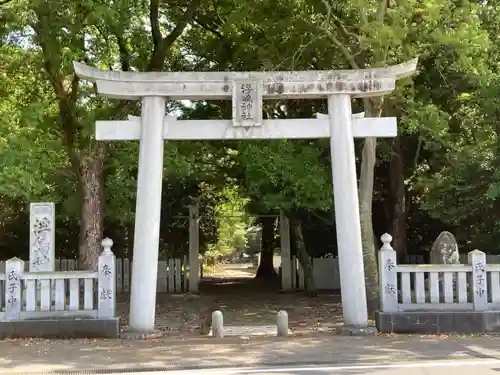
(247, 103)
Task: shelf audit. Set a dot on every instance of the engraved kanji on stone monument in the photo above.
(42, 230)
(247, 103)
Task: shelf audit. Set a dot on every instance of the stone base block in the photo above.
(135, 335)
(437, 322)
(61, 328)
(348, 330)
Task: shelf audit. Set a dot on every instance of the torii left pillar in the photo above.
(147, 216)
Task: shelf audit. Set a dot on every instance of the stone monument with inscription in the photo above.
(444, 250)
(42, 243)
(42, 237)
(247, 90)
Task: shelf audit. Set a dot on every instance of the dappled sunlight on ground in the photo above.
(179, 315)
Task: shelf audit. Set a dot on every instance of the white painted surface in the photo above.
(477, 259)
(448, 287)
(324, 116)
(106, 283)
(123, 274)
(247, 103)
(13, 270)
(194, 246)
(434, 287)
(42, 237)
(396, 71)
(217, 324)
(219, 90)
(461, 291)
(246, 331)
(147, 216)
(405, 288)
(282, 323)
(494, 289)
(22, 301)
(387, 259)
(219, 85)
(345, 192)
(473, 286)
(419, 287)
(173, 129)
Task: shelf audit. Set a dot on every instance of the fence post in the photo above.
(13, 269)
(106, 281)
(194, 246)
(286, 258)
(477, 259)
(387, 261)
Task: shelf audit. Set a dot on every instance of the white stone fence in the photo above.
(173, 276)
(472, 286)
(28, 295)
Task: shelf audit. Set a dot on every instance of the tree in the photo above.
(99, 34)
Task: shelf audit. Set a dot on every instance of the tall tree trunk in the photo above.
(266, 266)
(91, 219)
(302, 255)
(398, 200)
(366, 179)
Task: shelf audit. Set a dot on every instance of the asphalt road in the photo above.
(455, 367)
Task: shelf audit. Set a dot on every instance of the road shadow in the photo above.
(78, 355)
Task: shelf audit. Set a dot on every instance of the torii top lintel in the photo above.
(219, 85)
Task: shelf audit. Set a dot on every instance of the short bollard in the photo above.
(217, 324)
(282, 323)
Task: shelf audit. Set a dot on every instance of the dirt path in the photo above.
(179, 315)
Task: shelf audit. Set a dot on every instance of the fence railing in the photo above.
(325, 273)
(28, 295)
(472, 286)
(420, 259)
(173, 274)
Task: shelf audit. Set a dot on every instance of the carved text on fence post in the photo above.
(106, 281)
(388, 275)
(13, 269)
(477, 259)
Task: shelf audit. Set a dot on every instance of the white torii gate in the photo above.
(246, 90)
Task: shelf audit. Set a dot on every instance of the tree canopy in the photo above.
(440, 173)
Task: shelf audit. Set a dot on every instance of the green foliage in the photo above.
(232, 224)
(286, 174)
(448, 114)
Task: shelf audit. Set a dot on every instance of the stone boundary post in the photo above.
(217, 324)
(106, 281)
(282, 323)
(13, 269)
(387, 260)
(479, 285)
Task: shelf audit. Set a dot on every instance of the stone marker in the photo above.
(282, 323)
(217, 324)
(445, 250)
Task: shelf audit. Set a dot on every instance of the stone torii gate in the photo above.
(247, 91)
